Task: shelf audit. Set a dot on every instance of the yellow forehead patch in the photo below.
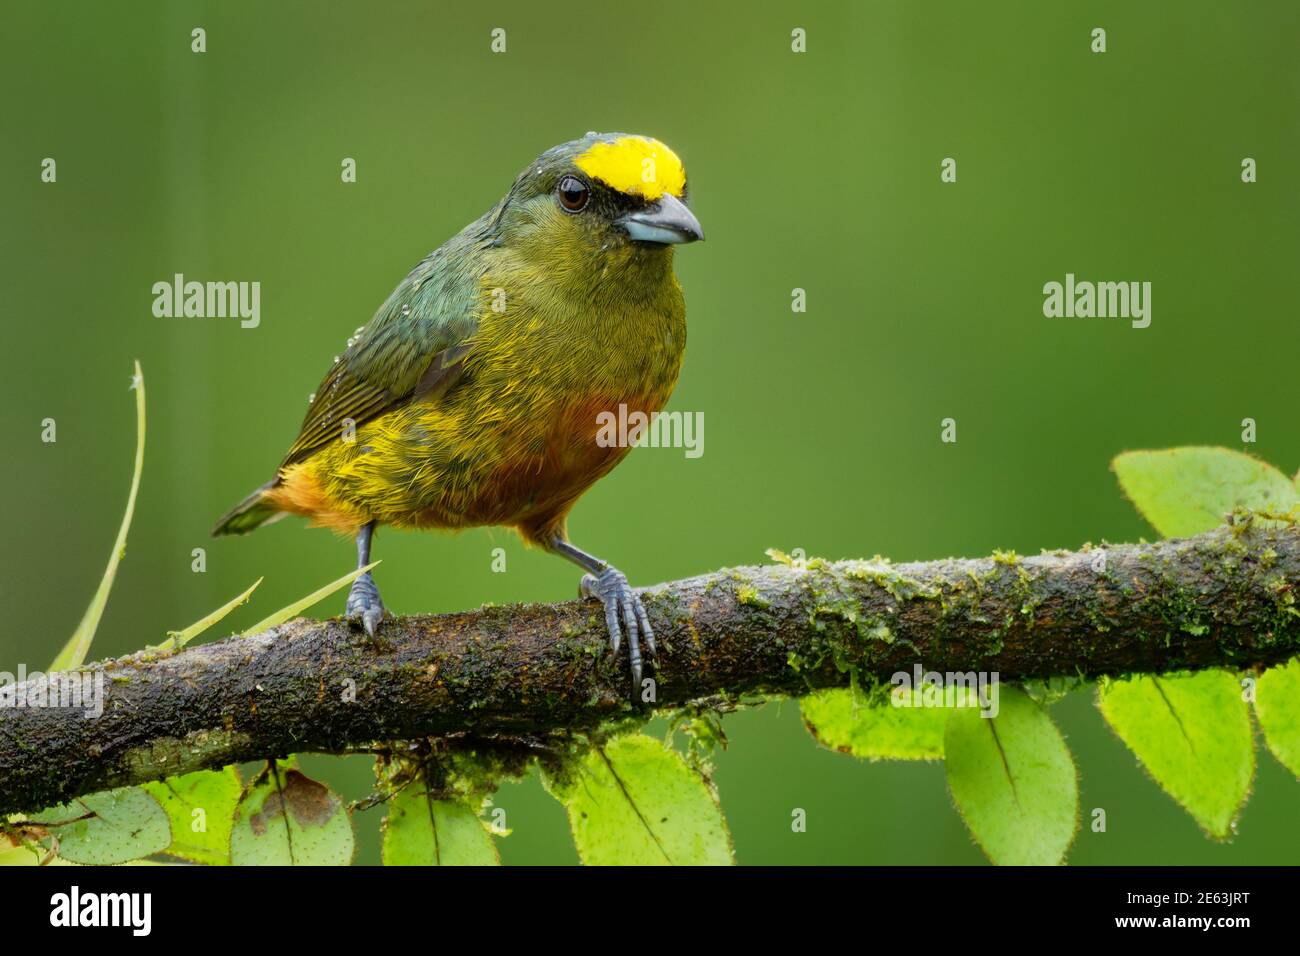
(636, 166)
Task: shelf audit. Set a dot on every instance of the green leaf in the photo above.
(1013, 781)
(297, 607)
(74, 652)
(200, 806)
(1277, 705)
(24, 856)
(178, 639)
(422, 831)
(1184, 491)
(635, 801)
(1193, 736)
(11, 855)
(107, 828)
(844, 720)
(287, 819)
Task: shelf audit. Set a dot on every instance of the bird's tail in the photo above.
(249, 515)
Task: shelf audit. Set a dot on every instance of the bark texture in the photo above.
(1226, 597)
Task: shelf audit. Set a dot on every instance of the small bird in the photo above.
(473, 396)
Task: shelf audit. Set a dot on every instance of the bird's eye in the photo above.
(573, 193)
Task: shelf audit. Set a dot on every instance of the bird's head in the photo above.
(605, 192)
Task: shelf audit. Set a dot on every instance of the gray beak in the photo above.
(667, 221)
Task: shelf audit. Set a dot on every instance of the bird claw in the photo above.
(364, 605)
(610, 587)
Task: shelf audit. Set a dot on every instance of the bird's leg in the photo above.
(364, 604)
(609, 585)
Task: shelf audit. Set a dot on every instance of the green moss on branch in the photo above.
(524, 673)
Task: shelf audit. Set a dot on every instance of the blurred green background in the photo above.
(818, 171)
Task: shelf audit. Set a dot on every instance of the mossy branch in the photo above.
(522, 673)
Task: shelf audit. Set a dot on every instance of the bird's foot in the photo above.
(364, 606)
(622, 604)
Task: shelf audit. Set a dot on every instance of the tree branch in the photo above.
(1226, 597)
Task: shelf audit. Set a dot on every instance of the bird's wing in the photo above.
(414, 347)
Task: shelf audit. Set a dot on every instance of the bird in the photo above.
(473, 395)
